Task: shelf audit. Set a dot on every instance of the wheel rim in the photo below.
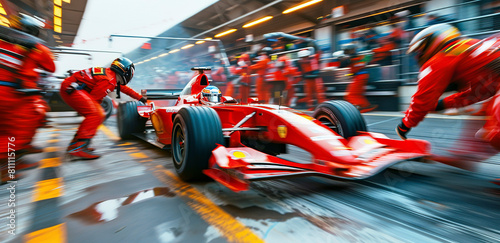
(331, 122)
(179, 145)
(106, 105)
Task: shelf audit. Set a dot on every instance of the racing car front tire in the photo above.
(196, 132)
(128, 119)
(341, 117)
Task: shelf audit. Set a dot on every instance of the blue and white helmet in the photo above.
(212, 94)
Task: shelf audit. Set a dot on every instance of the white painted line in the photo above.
(375, 123)
(434, 116)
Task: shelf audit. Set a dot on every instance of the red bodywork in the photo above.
(235, 165)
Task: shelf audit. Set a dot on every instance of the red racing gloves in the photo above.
(402, 130)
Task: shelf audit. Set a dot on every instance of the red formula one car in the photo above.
(235, 143)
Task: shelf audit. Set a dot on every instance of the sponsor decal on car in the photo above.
(238, 154)
(282, 131)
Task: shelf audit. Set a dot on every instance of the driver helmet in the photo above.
(432, 40)
(211, 94)
(124, 68)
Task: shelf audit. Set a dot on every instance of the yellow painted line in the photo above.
(54, 234)
(50, 162)
(139, 155)
(47, 189)
(50, 149)
(232, 229)
(125, 144)
(50, 130)
(54, 135)
(52, 141)
(108, 132)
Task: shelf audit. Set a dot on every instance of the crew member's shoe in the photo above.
(367, 108)
(29, 149)
(79, 150)
(74, 141)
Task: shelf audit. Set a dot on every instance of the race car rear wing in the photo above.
(161, 94)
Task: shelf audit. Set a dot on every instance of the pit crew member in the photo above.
(21, 52)
(84, 92)
(448, 58)
(243, 69)
(356, 89)
(260, 67)
(309, 67)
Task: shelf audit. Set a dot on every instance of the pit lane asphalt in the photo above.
(131, 194)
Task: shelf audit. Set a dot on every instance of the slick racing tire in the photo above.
(341, 117)
(195, 133)
(128, 119)
(107, 105)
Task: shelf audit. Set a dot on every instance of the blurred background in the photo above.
(379, 29)
(301, 53)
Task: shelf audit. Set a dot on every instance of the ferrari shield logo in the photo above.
(282, 131)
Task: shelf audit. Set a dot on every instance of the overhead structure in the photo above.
(62, 17)
(238, 23)
(233, 20)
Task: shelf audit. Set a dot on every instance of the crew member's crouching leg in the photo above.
(33, 114)
(94, 116)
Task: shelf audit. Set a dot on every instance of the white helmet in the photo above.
(304, 53)
(431, 40)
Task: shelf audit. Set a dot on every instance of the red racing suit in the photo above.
(21, 114)
(293, 77)
(355, 91)
(245, 82)
(280, 78)
(230, 85)
(94, 84)
(473, 66)
(260, 68)
(309, 67)
(219, 76)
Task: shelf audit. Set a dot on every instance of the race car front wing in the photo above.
(236, 167)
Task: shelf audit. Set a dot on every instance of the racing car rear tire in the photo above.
(195, 133)
(128, 119)
(340, 116)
